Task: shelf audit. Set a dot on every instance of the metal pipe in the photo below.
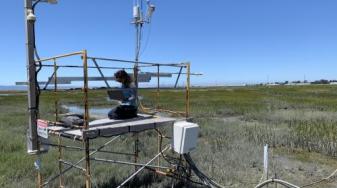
(181, 69)
(194, 74)
(129, 68)
(127, 163)
(100, 71)
(78, 162)
(135, 76)
(81, 149)
(139, 62)
(32, 138)
(143, 166)
(114, 68)
(61, 179)
(146, 65)
(188, 67)
(72, 165)
(55, 93)
(110, 59)
(50, 79)
(39, 175)
(116, 60)
(136, 69)
(86, 120)
(89, 67)
(136, 149)
(55, 133)
(171, 111)
(59, 56)
(56, 120)
(39, 179)
(157, 106)
(163, 74)
(158, 87)
(85, 90)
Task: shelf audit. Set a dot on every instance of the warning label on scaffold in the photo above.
(42, 128)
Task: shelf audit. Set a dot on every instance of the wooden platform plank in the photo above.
(127, 126)
(108, 127)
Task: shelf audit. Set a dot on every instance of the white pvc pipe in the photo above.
(265, 161)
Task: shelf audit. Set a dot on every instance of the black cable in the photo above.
(37, 2)
(207, 181)
(186, 178)
(38, 89)
(175, 176)
(196, 171)
(160, 144)
(146, 41)
(160, 148)
(176, 162)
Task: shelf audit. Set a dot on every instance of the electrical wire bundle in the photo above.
(183, 172)
(205, 180)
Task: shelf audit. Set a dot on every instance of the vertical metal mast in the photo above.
(137, 15)
(139, 19)
(32, 139)
(138, 32)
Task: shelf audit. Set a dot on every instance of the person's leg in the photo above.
(126, 112)
(113, 113)
(134, 111)
(129, 112)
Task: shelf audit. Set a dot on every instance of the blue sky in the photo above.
(227, 40)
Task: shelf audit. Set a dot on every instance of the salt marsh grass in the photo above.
(298, 122)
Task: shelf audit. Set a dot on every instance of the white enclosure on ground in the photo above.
(185, 135)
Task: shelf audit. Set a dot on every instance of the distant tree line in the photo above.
(321, 81)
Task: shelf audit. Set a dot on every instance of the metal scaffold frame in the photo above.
(64, 166)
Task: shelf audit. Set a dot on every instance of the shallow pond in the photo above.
(11, 94)
(93, 111)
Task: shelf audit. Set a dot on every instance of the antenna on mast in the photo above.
(139, 19)
(150, 9)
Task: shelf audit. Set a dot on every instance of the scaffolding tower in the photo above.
(104, 127)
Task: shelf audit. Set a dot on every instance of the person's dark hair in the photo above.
(124, 77)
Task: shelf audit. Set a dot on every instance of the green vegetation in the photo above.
(298, 122)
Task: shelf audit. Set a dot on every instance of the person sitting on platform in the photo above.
(128, 106)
